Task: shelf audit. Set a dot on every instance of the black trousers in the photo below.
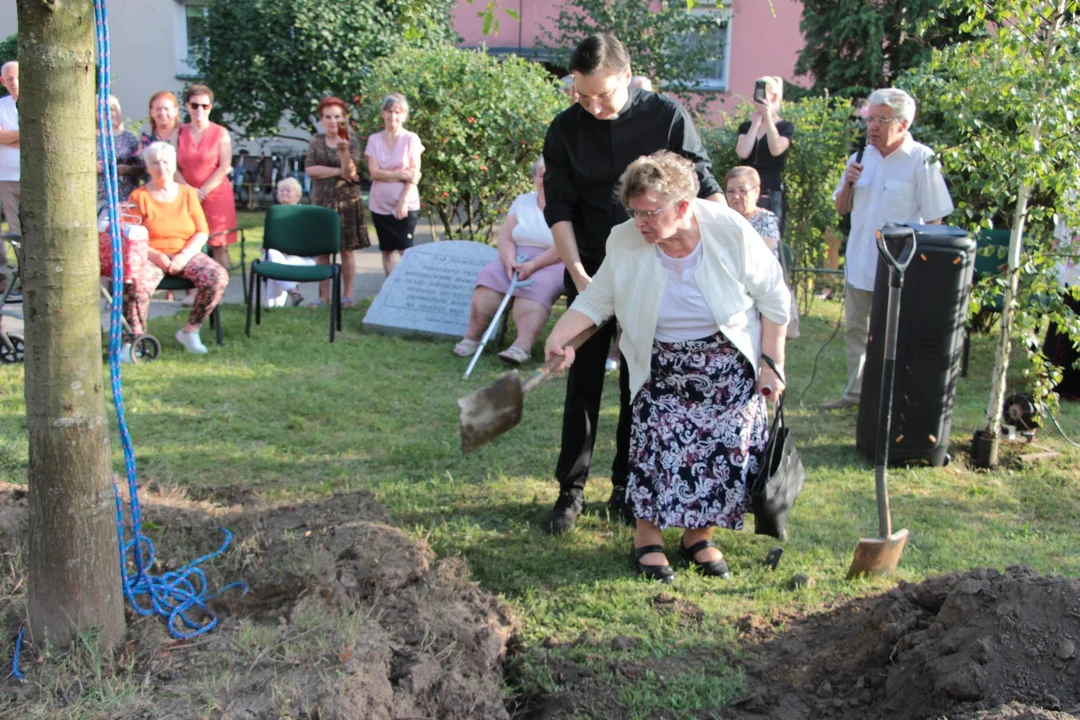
(581, 411)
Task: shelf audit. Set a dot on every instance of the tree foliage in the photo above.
(818, 153)
(1002, 114)
(673, 45)
(269, 61)
(482, 121)
(855, 46)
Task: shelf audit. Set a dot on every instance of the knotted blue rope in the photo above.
(175, 594)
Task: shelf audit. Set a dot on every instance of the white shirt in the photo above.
(684, 314)
(904, 187)
(9, 156)
(531, 229)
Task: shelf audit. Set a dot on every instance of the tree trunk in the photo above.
(985, 445)
(74, 584)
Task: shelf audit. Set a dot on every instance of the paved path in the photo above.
(369, 279)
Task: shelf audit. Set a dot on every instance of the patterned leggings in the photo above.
(208, 277)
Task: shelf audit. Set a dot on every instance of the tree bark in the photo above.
(74, 585)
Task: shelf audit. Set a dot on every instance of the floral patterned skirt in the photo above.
(699, 431)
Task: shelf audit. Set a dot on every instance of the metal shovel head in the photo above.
(488, 412)
(878, 556)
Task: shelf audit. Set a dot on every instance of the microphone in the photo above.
(862, 148)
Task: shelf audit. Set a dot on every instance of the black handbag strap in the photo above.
(772, 364)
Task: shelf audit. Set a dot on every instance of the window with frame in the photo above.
(189, 35)
(715, 37)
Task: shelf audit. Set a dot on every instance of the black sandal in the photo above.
(713, 568)
(663, 573)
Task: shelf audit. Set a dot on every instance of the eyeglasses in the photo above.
(644, 214)
(196, 106)
(745, 190)
(883, 120)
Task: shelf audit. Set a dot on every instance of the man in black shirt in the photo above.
(587, 148)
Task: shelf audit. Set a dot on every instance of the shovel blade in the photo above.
(490, 411)
(878, 556)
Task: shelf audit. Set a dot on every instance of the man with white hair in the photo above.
(9, 153)
(898, 180)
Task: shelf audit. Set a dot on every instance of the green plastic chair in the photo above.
(307, 231)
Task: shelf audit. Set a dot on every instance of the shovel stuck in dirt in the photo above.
(880, 555)
(490, 411)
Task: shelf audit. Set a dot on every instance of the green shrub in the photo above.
(482, 121)
(819, 151)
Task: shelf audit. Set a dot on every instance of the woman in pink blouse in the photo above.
(393, 157)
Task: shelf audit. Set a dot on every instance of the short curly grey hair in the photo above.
(902, 104)
(158, 149)
(665, 173)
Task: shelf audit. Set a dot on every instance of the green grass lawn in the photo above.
(286, 415)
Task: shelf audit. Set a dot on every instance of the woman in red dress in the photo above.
(204, 158)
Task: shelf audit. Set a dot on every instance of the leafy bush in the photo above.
(482, 121)
(819, 150)
(270, 61)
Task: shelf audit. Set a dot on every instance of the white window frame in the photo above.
(184, 68)
(723, 9)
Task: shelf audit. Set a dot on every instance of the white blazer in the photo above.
(738, 275)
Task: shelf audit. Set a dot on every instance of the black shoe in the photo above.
(619, 508)
(565, 513)
(663, 573)
(714, 568)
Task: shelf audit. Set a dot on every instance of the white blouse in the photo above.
(531, 229)
(684, 314)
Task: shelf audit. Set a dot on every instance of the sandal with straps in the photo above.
(712, 568)
(466, 347)
(515, 356)
(663, 573)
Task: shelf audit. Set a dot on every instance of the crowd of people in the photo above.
(678, 277)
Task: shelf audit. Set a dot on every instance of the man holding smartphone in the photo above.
(586, 150)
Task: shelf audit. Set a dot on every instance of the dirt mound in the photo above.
(980, 645)
(347, 617)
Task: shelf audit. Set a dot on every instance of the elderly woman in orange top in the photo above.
(178, 230)
(204, 156)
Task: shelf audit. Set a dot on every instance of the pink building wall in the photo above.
(765, 39)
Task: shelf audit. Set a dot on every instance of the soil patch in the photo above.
(980, 645)
(348, 617)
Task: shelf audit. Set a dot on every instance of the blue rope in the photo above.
(173, 595)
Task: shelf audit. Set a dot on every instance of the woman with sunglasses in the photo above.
(204, 156)
(702, 304)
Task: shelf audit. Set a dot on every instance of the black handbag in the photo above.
(780, 476)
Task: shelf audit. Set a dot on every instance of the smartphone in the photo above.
(343, 132)
(759, 91)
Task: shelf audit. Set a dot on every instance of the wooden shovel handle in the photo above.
(546, 369)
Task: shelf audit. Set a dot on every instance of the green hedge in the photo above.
(483, 122)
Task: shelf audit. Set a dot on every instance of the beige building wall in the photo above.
(148, 42)
(148, 51)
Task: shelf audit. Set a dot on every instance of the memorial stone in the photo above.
(430, 290)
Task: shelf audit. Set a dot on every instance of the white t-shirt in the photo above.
(9, 156)
(684, 314)
(531, 229)
(904, 187)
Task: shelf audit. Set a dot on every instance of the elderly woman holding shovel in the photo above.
(703, 307)
(524, 235)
